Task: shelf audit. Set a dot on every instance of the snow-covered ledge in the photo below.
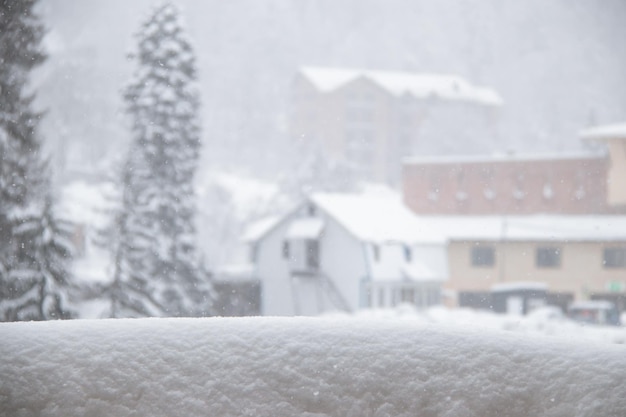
(300, 367)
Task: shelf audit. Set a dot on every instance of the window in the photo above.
(286, 249)
(614, 257)
(548, 257)
(312, 254)
(483, 256)
(376, 252)
(408, 253)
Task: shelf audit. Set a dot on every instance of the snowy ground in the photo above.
(548, 322)
(332, 366)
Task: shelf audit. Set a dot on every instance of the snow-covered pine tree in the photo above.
(34, 249)
(157, 267)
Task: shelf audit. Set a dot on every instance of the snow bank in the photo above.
(299, 367)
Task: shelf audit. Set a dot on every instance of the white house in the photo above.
(345, 252)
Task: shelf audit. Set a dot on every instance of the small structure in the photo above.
(345, 252)
(237, 291)
(518, 297)
(595, 312)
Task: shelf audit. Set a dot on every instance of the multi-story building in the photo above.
(555, 220)
(372, 119)
(590, 183)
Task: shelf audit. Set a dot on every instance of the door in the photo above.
(515, 305)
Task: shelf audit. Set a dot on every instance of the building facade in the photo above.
(370, 120)
(574, 184)
(345, 252)
(575, 256)
(586, 183)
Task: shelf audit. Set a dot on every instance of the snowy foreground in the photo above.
(301, 367)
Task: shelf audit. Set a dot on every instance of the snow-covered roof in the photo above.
(499, 158)
(335, 366)
(259, 228)
(87, 203)
(614, 131)
(243, 272)
(375, 218)
(520, 285)
(555, 228)
(418, 272)
(592, 305)
(448, 87)
(305, 228)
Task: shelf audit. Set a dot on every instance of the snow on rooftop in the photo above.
(556, 228)
(300, 367)
(591, 305)
(448, 87)
(614, 131)
(518, 286)
(375, 218)
(260, 227)
(243, 272)
(305, 228)
(498, 158)
(86, 203)
(418, 272)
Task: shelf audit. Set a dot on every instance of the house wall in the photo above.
(342, 259)
(581, 271)
(273, 272)
(564, 186)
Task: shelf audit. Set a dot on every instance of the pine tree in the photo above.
(34, 245)
(157, 269)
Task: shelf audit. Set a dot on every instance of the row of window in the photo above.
(420, 296)
(548, 257)
(408, 253)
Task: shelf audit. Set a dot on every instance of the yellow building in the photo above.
(576, 255)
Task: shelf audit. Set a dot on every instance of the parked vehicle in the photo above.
(594, 312)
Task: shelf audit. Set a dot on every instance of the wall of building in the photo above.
(342, 260)
(272, 271)
(581, 270)
(507, 186)
(617, 173)
(364, 125)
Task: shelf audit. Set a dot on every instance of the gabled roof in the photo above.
(447, 87)
(373, 218)
(368, 217)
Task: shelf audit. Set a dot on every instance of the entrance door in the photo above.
(515, 305)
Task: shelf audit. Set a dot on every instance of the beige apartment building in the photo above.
(370, 120)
